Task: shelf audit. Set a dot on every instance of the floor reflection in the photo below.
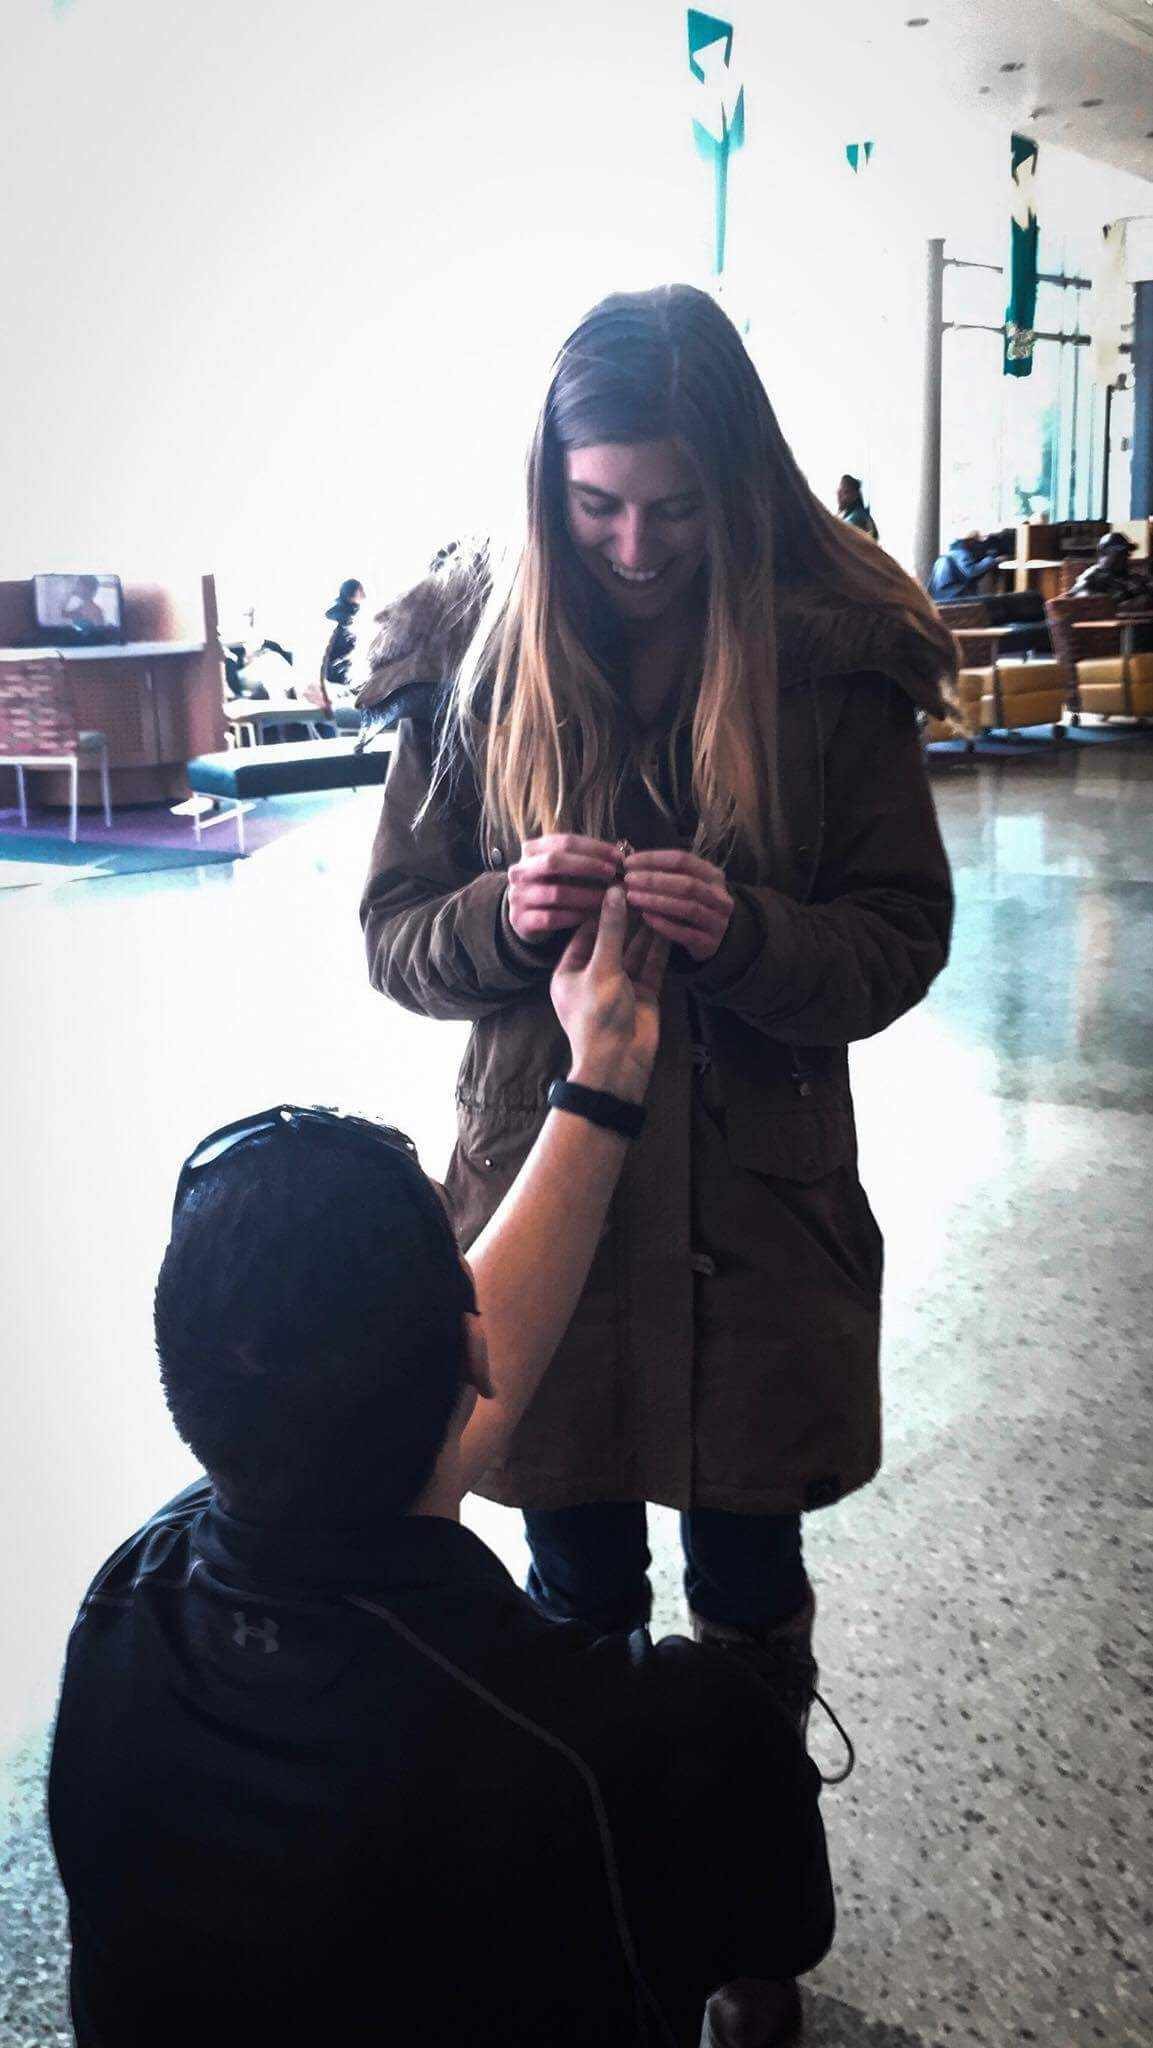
(979, 1605)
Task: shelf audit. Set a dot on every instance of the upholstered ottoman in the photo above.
(294, 769)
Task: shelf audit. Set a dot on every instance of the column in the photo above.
(1140, 267)
(1141, 470)
(927, 527)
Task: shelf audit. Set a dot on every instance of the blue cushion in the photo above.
(287, 770)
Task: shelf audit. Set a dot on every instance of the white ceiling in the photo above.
(1069, 51)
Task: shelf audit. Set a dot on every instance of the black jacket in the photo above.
(313, 1788)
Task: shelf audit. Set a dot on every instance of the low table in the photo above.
(295, 768)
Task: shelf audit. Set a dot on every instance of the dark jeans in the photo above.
(591, 1564)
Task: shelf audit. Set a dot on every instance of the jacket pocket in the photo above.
(824, 1235)
(792, 1140)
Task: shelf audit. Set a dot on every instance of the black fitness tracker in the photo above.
(609, 1111)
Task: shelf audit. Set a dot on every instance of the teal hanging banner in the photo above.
(859, 154)
(1021, 311)
(718, 112)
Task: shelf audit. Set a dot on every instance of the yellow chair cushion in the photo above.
(1041, 708)
(1101, 686)
(1031, 693)
(1107, 670)
(1045, 674)
(971, 686)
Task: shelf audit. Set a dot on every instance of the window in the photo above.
(1018, 447)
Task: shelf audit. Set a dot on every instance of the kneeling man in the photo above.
(321, 1773)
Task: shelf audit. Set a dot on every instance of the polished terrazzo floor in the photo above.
(984, 1606)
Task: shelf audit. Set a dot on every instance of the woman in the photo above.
(699, 676)
(851, 506)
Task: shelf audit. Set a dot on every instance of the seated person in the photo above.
(336, 661)
(1002, 543)
(1113, 575)
(957, 573)
(334, 686)
(321, 1773)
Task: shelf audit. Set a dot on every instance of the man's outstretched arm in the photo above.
(531, 1262)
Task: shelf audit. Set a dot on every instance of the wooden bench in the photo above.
(295, 768)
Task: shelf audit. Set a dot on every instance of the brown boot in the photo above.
(750, 2013)
(782, 1653)
(754, 2012)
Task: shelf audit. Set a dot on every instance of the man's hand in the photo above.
(532, 1259)
(686, 899)
(607, 996)
(557, 883)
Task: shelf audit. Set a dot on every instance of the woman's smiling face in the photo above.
(636, 517)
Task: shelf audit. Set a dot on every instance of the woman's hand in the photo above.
(684, 898)
(607, 995)
(558, 882)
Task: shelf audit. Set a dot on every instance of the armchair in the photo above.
(1099, 676)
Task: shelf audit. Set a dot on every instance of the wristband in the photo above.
(609, 1111)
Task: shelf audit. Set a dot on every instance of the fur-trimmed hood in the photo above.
(422, 637)
(816, 640)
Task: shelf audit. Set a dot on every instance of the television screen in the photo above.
(78, 608)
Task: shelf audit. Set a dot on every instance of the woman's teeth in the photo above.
(637, 575)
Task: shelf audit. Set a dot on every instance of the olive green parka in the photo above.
(724, 1353)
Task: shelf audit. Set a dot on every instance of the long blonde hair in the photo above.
(536, 707)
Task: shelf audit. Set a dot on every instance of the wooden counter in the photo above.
(158, 701)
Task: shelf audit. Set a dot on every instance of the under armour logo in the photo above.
(244, 1632)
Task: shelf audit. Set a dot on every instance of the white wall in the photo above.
(289, 278)
(283, 281)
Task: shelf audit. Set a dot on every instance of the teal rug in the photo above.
(34, 859)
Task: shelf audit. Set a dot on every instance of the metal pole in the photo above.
(1141, 472)
(927, 528)
(1108, 452)
(1073, 436)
